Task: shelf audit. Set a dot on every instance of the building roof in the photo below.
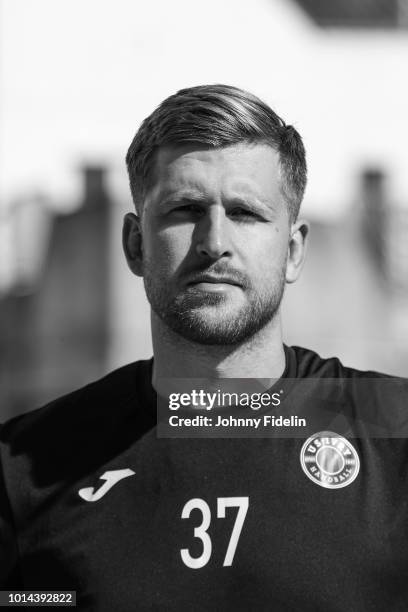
(357, 13)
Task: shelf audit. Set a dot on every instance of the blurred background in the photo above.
(78, 76)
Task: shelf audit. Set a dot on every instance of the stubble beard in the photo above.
(185, 313)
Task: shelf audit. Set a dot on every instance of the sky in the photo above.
(78, 77)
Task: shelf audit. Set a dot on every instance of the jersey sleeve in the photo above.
(9, 569)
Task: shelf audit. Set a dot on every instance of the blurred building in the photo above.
(385, 228)
(352, 298)
(357, 13)
(54, 326)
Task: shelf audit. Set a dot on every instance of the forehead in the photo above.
(237, 169)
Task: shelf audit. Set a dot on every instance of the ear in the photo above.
(296, 250)
(132, 243)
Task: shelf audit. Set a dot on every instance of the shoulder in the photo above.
(77, 431)
(117, 387)
(311, 364)
(378, 401)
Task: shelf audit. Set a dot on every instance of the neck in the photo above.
(262, 356)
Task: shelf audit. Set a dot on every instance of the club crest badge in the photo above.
(329, 460)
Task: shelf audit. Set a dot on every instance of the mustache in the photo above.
(217, 271)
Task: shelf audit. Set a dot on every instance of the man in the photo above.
(92, 500)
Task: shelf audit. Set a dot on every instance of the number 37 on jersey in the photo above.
(201, 530)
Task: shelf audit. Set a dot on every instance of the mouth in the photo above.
(208, 279)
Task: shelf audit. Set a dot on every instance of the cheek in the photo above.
(269, 254)
(167, 247)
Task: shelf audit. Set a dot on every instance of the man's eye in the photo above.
(242, 212)
(187, 208)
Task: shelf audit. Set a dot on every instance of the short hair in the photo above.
(216, 116)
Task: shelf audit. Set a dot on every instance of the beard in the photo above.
(211, 318)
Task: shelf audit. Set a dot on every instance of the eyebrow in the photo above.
(199, 198)
(182, 198)
(252, 201)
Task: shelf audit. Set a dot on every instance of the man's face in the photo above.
(215, 233)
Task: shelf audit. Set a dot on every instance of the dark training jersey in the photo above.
(92, 501)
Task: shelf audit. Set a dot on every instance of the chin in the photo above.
(208, 328)
(212, 337)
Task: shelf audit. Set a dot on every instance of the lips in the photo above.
(208, 278)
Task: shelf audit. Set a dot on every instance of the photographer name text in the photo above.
(266, 420)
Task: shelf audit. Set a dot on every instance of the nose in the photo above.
(211, 234)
